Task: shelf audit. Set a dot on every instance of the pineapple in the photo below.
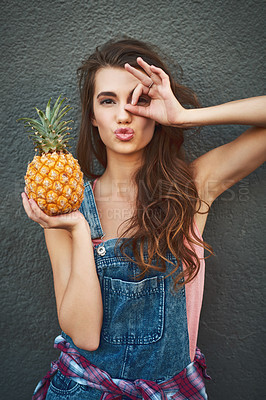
(53, 179)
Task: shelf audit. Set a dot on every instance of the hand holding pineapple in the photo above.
(71, 221)
(53, 179)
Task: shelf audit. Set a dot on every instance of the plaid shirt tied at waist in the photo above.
(188, 383)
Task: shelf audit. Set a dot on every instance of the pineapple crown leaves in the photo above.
(51, 132)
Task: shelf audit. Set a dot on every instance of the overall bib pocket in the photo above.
(133, 311)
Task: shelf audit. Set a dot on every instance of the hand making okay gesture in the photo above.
(163, 107)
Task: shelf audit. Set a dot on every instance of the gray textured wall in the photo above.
(221, 46)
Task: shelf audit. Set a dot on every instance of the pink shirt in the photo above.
(194, 294)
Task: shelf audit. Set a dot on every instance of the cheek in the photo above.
(100, 121)
(98, 116)
(149, 128)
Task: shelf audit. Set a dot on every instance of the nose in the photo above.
(123, 116)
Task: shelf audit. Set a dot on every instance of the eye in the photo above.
(144, 100)
(107, 101)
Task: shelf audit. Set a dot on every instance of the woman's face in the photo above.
(120, 131)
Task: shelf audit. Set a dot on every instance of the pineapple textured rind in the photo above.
(55, 182)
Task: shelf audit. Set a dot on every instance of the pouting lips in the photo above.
(124, 133)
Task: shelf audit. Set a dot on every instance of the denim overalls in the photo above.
(144, 333)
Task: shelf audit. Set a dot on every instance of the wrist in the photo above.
(184, 118)
(193, 117)
(81, 227)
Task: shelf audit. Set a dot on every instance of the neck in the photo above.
(118, 176)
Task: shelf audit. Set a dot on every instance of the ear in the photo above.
(93, 121)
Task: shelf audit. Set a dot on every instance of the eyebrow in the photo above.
(112, 94)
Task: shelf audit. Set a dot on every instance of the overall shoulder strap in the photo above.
(89, 209)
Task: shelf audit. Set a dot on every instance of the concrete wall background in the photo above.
(221, 47)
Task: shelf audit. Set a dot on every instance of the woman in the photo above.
(129, 266)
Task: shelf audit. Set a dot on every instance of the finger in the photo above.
(153, 73)
(31, 209)
(139, 89)
(144, 65)
(160, 72)
(26, 204)
(38, 213)
(137, 110)
(141, 76)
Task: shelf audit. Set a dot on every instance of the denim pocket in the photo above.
(133, 311)
(62, 385)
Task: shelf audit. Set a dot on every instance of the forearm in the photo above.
(250, 111)
(81, 309)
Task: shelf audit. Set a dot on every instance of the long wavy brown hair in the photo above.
(167, 198)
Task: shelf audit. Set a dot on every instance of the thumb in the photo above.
(137, 110)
